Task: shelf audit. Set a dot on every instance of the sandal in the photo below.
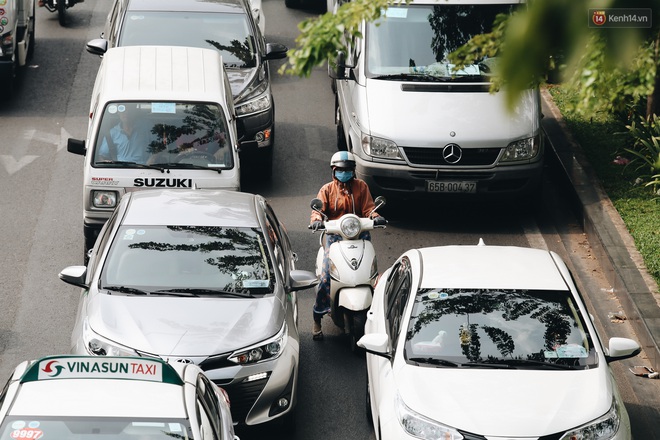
(317, 336)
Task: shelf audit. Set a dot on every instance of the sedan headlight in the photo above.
(104, 199)
(421, 427)
(380, 148)
(99, 346)
(267, 350)
(523, 149)
(603, 428)
(350, 227)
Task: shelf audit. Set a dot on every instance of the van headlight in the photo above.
(254, 99)
(603, 428)
(380, 148)
(419, 426)
(267, 350)
(104, 199)
(523, 149)
(260, 104)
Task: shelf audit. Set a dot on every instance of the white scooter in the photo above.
(353, 269)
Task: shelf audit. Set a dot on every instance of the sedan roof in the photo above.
(187, 5)
(490, 267)
(198, 207)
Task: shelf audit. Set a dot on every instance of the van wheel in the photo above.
(342, 145)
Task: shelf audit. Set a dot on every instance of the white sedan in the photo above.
(125, 398)
(488, 342)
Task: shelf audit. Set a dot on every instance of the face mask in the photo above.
(344, 176)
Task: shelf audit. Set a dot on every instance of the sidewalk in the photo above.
(609, 238)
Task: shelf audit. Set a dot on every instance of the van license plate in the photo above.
(451, 187)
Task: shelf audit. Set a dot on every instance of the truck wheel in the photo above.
(61, 12)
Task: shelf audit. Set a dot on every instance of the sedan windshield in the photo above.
(412, 41)
(191, 260)
(89, 428)
(512, 328)
(227, 32)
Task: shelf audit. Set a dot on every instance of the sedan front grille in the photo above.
(242, 396)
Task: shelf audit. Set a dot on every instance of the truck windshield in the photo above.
(170, 134)
(414, 40)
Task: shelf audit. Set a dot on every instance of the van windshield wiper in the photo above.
(158, 167)
(240, 294)
(414, 77)
(189, 165)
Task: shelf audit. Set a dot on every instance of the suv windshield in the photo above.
(229, 33)
(509, 327)
(168, 134)
(416, 39)
(193, 259)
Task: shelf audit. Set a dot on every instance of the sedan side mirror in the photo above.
(375, 343)
(97, 46)
(622, 348)
(75, 275)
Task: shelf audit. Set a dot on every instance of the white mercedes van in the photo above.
(160, 117)
(416, 125)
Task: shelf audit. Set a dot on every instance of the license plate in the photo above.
(451, 187)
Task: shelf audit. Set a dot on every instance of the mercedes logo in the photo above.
(452, 153)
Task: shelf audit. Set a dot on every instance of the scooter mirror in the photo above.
(316, 204)
(380, 201)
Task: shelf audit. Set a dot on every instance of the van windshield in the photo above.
(414, 40)
(227, 32)
(166, 134)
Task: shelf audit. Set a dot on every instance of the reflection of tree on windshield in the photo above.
(242, 51)
(512, 305)
(240, 253)
(456, 25)
(201, 120)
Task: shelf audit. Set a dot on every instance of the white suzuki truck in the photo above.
(160, 117)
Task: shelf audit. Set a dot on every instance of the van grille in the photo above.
(433, 156)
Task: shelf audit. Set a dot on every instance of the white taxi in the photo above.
(84, 397)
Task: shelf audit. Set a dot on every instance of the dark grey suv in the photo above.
(227, 25)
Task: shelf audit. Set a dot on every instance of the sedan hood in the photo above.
(507, 403)
(239, 79)
(185, 326)
(477, 119)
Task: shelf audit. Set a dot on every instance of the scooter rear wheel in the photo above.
(356, 322)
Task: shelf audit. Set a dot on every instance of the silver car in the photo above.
(198, 276)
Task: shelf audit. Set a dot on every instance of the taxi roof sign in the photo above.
(101, 367)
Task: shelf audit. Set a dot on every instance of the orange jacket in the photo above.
(341, 198)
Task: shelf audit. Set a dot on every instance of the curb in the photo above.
(606, 231)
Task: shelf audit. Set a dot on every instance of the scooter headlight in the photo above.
(350, 227)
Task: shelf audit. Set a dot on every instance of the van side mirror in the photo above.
(337, 68)
(76, 146)
(275, 51)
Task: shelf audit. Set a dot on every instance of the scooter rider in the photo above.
(344, 194)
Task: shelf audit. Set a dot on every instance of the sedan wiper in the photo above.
(158, 167)
(435, 361)
(126, 289)
(529, 363)
(208, 292)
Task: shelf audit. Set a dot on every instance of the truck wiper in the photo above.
(240, 294)
(158, 167)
